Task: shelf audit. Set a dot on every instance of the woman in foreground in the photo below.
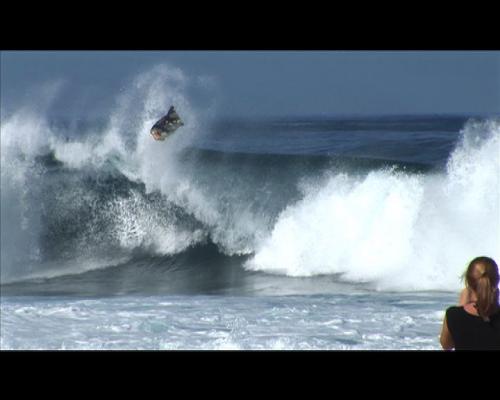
(475, 323)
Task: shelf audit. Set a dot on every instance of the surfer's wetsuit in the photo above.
(166, 125)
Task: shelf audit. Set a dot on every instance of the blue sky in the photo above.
(276, 83)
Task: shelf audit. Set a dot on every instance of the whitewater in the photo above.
(307, 232)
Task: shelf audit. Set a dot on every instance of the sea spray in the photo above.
(399, 231)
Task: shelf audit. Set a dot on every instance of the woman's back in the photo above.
(475, 325)
(472, 332)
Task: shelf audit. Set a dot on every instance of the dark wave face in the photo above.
(201, 269)
(234, 206)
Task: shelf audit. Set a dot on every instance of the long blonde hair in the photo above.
(482, 277)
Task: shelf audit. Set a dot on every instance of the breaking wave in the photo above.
(72, 202)
(412, 231)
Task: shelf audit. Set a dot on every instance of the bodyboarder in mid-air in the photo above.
(166, 125)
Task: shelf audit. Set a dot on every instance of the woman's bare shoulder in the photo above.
(465, 297)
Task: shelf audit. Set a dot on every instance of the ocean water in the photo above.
(305, 232)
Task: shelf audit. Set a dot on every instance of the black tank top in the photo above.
(470, 332)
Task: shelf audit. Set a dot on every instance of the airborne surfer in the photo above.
(166, 125)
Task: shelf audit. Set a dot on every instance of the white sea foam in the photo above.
(223, 323)
(398, 230)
